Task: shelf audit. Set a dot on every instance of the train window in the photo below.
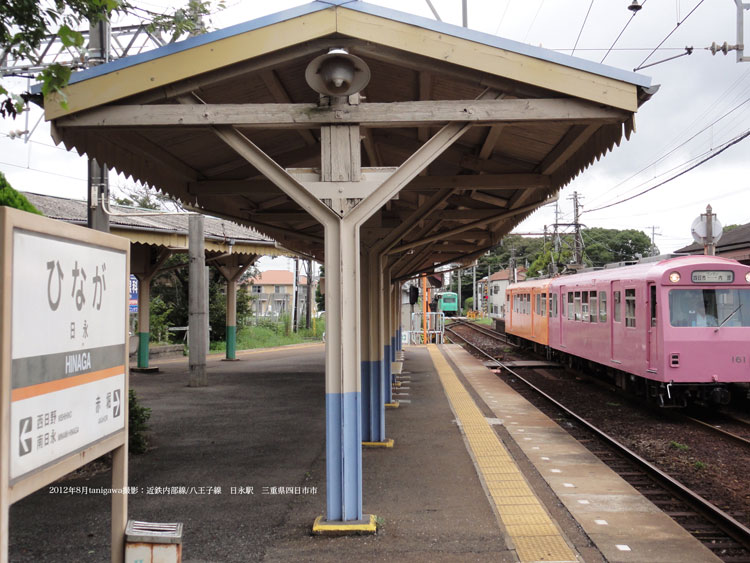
(553, 308)
(577, 304)
(616, 309)
(585, 306)
(543, 311)
(652, 298)
(538, 303)
(709, 307)
(602, 306)
(630, 308)
(570, 306)
(594, 307)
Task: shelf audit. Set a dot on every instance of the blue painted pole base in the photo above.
(343, 457)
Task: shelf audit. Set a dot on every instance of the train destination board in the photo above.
(712, 276)
(68, 332)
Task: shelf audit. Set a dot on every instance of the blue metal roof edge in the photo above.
(501, 43)
(364, 7)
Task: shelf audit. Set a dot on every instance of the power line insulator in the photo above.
(634, 6)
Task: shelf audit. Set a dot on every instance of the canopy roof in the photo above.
(537, 120)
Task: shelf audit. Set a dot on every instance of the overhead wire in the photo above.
(726, 146)
(654, 162)
(582, 26)
(621, 32)
(679, 23)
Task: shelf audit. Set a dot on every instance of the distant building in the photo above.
(495, 293)
(732, 244)
(273, 293)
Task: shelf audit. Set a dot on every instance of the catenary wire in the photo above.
(669, 34)
(621, 32)
(582, 26)
(693, 167)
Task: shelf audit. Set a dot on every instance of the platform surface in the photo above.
(241, 463)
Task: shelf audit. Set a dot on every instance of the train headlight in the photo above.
(747, 277)
(674, 277)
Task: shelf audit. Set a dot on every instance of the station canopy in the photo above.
(534, 119)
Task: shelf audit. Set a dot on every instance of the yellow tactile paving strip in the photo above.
(534, 534)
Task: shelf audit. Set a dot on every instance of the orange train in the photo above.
(528, 314)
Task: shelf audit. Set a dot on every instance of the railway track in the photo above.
(728, 538)
(741, 426)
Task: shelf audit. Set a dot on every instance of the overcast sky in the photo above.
(703, 104)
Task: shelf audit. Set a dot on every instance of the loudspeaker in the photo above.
(337, 73)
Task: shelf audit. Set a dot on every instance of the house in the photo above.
(493, 298)
(273, 293)
(733, 244)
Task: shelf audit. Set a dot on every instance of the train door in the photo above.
(615, 320)
(653, 350)
(564, 309)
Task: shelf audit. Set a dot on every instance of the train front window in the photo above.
(709, 307)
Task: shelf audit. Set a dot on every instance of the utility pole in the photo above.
(295, 316)
(578, 242)
(556, 241)
(654, 248)
(710, 247)
(98, 174)
(308, 309)
(474, 286)
(458, 291)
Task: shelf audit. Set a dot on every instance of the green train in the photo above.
(447, 302)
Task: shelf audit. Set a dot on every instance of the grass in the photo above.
(269, 335)
(678, 446)
(699, 465)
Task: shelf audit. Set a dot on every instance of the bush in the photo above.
(11, 198)
(138, 416)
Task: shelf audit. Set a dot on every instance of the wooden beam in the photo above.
(459, 230)
(280, 94)
(420, 183)
(490, 141)
(425, 91)
(491, 199)
(483, 182)
(300, 116)
(568, 145)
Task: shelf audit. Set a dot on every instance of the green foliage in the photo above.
(604, 246)
(173, 289)
(468, 303)
(138, 416)
(268, 334)
(158, 320)
(320, 299)
(25, 23)
(11, 198)
(678, 446)
(699, 465)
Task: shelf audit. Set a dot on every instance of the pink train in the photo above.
(676, 331)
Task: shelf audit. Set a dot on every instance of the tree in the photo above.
(24, 25)
(11, 198)
(604, 246)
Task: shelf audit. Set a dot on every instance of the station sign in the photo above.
(63, 350)
(133, 301)
(67, 347)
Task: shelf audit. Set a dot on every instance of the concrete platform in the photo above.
(624, 525)
(241, 463)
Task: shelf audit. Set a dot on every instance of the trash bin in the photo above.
(153, 542)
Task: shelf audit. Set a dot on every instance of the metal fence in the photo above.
(429, 329)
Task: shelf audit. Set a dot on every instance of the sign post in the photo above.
(63, 359)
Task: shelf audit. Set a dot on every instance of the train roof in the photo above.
(637, 271)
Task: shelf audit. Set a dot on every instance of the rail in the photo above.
(734, 529)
